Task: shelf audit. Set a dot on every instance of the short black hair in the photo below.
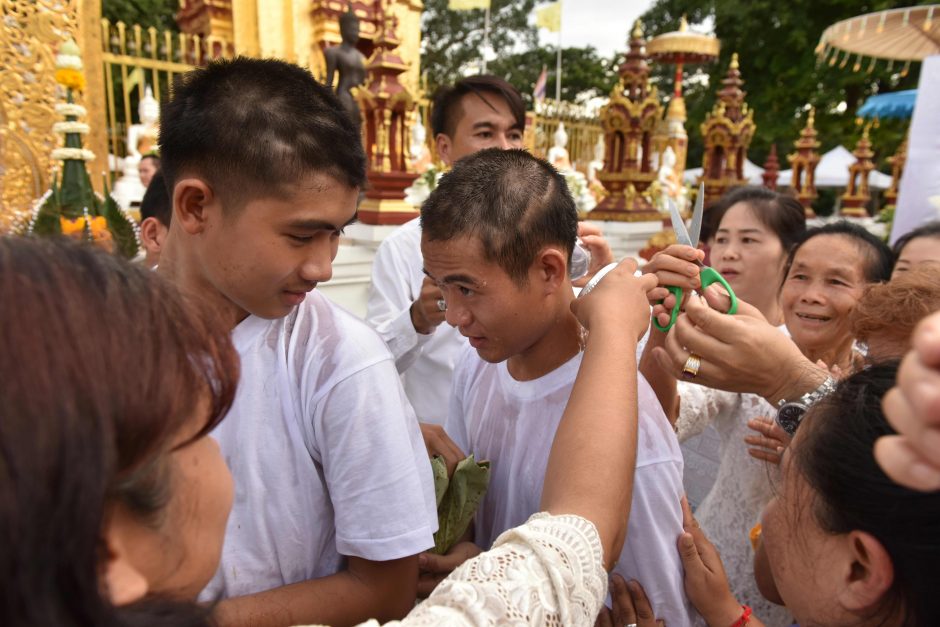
(153, 157)
(879, 256)
(255, 127)
(513, 202)
(782, 214)
(156, 202)
(931, 229)
(445, 112)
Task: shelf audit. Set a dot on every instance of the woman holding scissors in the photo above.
(756, 229)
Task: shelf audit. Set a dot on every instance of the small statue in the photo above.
(670, 183)
(419, 153)
(597, 164)
(348, 62)
(558, 154)
(141, 141)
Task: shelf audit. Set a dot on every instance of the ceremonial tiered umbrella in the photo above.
(682, 47)
(896, 104)
(895, 35)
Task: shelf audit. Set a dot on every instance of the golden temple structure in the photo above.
(803, 162)
(857, 193)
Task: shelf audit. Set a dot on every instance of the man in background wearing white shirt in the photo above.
(498, 233)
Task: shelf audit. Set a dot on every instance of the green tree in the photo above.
(776, 46)
(585, 74)
(157, 13)
(453, 39)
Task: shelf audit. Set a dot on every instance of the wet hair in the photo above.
(103, 365)
(782, 214)
(514, 203)
(931, 229)
(447, 108)
(156, 202)
(256, 127)
(891, 310)
(879, 259)
(834, 455)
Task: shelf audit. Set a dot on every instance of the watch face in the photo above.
(789, 417)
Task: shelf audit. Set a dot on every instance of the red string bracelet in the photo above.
(745, 617)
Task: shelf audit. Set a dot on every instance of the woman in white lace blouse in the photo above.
(756, 229)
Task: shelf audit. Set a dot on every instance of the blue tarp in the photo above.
(898, 104)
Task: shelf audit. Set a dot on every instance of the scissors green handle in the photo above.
(708, 276)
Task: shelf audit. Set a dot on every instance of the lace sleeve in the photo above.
(549, 571)
(699, 406)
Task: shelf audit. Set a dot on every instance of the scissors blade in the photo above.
(678, 225)
(696, 229)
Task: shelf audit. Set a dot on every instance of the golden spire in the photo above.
(811, 120)
(734, 61)
(865, 131)
(638, 30)
(683, 24)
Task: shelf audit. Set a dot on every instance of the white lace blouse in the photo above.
(549, 571)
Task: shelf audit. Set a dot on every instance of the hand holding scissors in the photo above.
(707, 275)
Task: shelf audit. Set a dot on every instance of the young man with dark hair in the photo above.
(333, 492)
(404, 307)
(476, 112)
(497, 237)
(155, 213)
(147, 168)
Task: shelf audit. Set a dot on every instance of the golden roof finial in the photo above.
(865, 131)
(734, 61)
(638, 29)
(683, 24)
(811, 120)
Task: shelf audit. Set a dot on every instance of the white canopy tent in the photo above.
(752, 172)
(833, 171)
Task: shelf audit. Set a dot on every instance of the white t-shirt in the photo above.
(426, 362)
(512, 424)
(325, 452)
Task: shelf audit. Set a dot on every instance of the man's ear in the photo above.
(152, 235)
(122, 583)
(443, 144)
(551, 265)
(192, 199)
(870, 572)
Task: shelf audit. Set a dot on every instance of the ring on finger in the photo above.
(441, 304)
(691, 367)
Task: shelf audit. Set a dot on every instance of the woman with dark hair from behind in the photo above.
(113, 500)
(844, 544)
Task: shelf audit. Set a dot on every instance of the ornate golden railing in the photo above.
(135, 57)
(581, 124)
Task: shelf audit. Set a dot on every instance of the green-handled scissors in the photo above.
(707, 274)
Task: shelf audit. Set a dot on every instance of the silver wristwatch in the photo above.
(790, 413)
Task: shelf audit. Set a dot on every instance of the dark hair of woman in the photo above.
(880, 259)
(931, 229)
(102, 367)
(835, 457)
(782, 214)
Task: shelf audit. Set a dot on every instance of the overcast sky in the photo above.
(604, 24)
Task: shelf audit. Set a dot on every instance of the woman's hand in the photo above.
(912, 458)
(618, 301)
(674, 267)
(631, 606)
(770, 442)
(706, 583)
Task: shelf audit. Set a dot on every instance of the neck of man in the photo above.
(178, 265)
(559, 344)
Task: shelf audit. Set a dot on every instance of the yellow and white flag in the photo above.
(548, 17)
(466, 5)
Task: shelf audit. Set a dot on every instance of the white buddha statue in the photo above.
(558, 154)
(419, 153)
(597, 164)
(141, 140)
(670, 181)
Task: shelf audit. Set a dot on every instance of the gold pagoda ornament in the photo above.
(386, 106)
(857, 193)
(897, 162)
(629, 121)
(727, 131)
(803, 163)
